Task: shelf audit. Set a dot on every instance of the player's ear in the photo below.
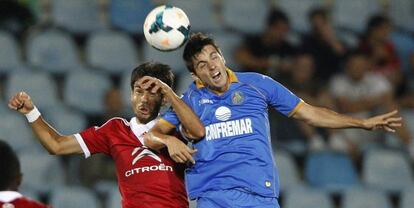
(194, 76)
(222, 57)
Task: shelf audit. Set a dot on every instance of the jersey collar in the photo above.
(139, 129)
(8, 196)
(231, 78)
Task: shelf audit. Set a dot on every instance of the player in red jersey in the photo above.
(10, 179)
(146, 178)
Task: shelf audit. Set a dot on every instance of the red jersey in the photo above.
(146, 178)
(12, 199)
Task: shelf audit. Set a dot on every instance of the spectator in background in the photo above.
(323, 44)
(268, 53)
(360, 92)
(10, 179)
(15, 17)
(381, 51)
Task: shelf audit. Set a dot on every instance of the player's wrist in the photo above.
(33, 115)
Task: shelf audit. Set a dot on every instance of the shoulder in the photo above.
(116, 122)
(28, 203)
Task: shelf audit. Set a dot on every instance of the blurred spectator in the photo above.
(323, 44)
(15, 17)
(10, 179)
(268, 53)
(360, 92)
(381, 51)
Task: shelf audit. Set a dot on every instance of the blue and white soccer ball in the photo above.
(166, 28)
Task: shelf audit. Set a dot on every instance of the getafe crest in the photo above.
(237, 98)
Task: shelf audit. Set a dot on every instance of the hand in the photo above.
(388, 122)
(179, 152)
(21, 102)
(154, 84)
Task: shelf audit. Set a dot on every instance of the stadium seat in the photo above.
(331, 171)
(202, 14)
(129, 15)
(365, 198)
(85, 89)
(387, 170)
(15, 131)
(297, 12)
(245, 16)
(41, 171)
(407, 198)
(288, 171)
(404, 45)
(65, 120)
(39, 85)
(77, 16)
(402, 14)
(344, 13)
(304, 197)
(172, 58)
(184, 81)
(73, 197)
(111, 51)
(10, 56)
(52, 50)
(228, 43)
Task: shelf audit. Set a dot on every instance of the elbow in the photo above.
(200, 133)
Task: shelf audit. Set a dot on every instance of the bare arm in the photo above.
(51, 140)
(322, 117)
(158, 138)
(188, 119)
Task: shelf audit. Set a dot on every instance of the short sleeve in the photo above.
(95, 139)
(278, 96)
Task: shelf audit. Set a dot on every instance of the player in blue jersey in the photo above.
(234, 166)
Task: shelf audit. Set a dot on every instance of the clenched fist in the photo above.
(21, 102)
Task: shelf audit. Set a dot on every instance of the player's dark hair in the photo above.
(195, 44)
(153, 69)
(9, 166)
(355, 53)
(276, 15)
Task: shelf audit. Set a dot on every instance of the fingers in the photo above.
(184, 156)
(391, 114)
(389, 129)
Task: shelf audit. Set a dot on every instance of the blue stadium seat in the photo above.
(52, 50)
(365, 198)
(77, 16)
(387, 170)
(407, 198)
(10, 56)
(39, 85)
(202, 14)
(172, 58)
(288, 171)
(297, 12)
(330, 171)
(184, 81)
(42, 172)
(129, 15)
(66, 121)
(404, 44)
(85, 89)
(245, 16)
(15, 131)
(111, 51)
(354, 14)
(228, 43)
(73, 197)
(304, 197)
(402, 14)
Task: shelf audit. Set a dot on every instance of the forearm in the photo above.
(325, 118)
(187, 117)
(47, 135)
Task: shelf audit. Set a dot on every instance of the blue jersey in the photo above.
(236, 152)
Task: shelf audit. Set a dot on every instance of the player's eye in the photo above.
(202, 65)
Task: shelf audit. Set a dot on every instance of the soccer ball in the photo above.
(166, 28)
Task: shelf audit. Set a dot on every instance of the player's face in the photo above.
(146, 105)
(209, 67)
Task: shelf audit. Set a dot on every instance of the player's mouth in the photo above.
(144, 110)
(216, 76)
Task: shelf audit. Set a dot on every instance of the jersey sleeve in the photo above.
(279, 97)
(96, 139)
